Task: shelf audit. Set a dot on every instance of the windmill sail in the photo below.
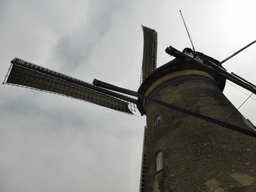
(149, 52)
(33, 76)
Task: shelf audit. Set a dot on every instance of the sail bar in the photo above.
(29, 75)
(242, 79)
(207, 64)
(177, 108)
(149, 52)
(143, 163)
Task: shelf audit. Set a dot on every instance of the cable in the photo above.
(240, 90)
(238, 108)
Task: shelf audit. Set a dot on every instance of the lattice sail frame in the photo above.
(149, 52)
(22, 73)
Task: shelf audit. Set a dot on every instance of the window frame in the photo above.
(157, 120)
(159, 161)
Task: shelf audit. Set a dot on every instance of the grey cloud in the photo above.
(24, 108)
(19, 106)
(75, 48)
(69, 54)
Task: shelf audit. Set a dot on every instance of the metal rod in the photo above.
(237, 52)
(188, 112)
(238, 108)
(114, 88)
(187, 32)
(242, 79)
(213, 67)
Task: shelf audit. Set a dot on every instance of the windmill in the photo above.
(195, 139)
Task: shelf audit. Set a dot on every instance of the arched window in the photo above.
(157, 120)
(159, 161)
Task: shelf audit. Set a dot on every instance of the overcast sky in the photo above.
(53, 143)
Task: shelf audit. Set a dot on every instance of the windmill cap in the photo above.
(180, 64)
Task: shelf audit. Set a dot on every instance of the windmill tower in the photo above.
(187, 153)
(195, 139)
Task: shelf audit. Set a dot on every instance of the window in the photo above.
(157, 120)
(159, 160)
